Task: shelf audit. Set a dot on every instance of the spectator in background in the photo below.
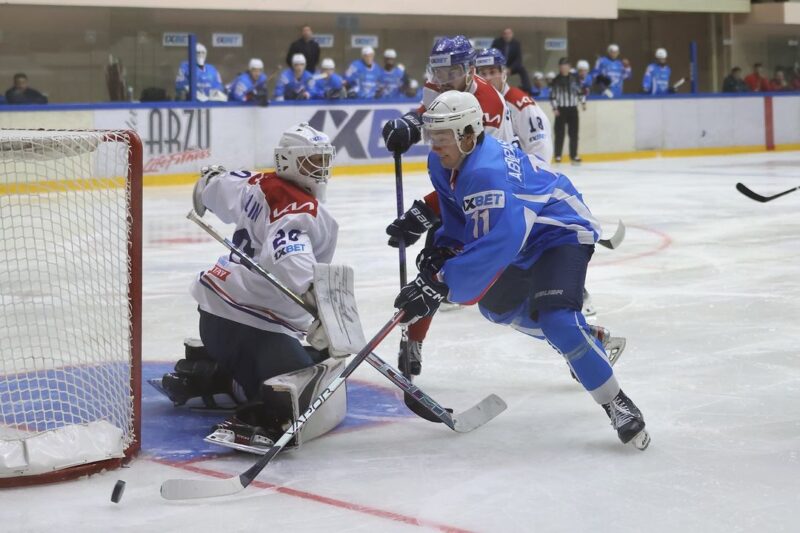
(363, 76)
(295, 82)
(565, 95)
(327, 85)
(250, 86)
(779, 83)
(656, 76)
(584, 77)
(794, 77)
(733, 82)
(308, 47)
(209, 82)
(540, 88)
(413, 90)
(614, 70)
(755, 80)
(513, 52)
(20, 93)
(393, 78)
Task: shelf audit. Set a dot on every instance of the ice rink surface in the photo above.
(706, 288)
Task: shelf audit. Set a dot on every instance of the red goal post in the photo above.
(70, 302)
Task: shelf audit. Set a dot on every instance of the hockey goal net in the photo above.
(70, 302)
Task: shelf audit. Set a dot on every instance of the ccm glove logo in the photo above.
(427, 290)
(483, 200)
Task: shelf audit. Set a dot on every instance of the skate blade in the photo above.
(226, 438)
(446, 307)
(614, 348)
(641, 441)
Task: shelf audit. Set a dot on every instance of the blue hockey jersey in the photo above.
(207, 79)
(503, 210)
(363, 79)
(614, 70)
(244, 89)
(290, 88)
(391, 81)
(656, 79)
(326, 87)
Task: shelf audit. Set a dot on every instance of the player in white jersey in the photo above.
(529, 122)
(250, 331)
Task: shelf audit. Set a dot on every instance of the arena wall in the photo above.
(179, 138)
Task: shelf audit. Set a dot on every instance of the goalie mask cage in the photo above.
(70, 302)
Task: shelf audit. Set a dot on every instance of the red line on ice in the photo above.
(666, 241)
(372, 511)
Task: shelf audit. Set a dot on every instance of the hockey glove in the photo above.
(414, 222)
(421, 297)
(432, 259)
(400, 133)
(206, 175)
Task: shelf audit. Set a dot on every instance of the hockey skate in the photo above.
(241, 436)
(409, 359)
(613, 346)
(588, 309)
(628, 421)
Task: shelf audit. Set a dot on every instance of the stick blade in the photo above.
(615, 240)
(742, 188)
(478, 415)
(191, 489)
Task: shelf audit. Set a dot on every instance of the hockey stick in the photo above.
(615, 240)
(425, 406)
(757, 197)
(402, 361)
(186, 489)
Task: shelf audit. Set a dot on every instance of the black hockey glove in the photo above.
(414, 222)
(421, 297)
(432, 259)
(400, 133)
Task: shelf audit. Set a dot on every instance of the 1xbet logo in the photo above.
(483, 200)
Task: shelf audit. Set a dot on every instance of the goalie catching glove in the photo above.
(206, 174)
(413, 223)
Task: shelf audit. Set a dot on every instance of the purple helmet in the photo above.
(490, 57)
(449, 51)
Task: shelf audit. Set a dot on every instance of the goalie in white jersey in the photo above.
(250, 331)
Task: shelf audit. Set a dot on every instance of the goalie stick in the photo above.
(757, 197)
(415, 399)
(187, 489)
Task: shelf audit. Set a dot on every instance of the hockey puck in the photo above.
(119, 488)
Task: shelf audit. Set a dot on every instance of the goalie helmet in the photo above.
(304, 156)
(453, 111)
(451, 59)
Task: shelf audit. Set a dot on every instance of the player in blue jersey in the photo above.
(209, 83)
(393, 78)
(363, 75)
(327, 85)
(295, 82)
(250, 86)
(614, 69)
(656, 77)
(516, 239)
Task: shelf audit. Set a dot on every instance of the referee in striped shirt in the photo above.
(565, 95)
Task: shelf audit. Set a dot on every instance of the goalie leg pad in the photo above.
(257, 425)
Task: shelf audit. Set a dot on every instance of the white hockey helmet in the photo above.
(390, 53)
(661, 53)
(255, 63)
(613, 48)
(327, 63)
(452, 111)
(582, 65)
(200, 53)
(298, 59)
(304, 156)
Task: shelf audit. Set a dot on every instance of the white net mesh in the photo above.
(65, 338)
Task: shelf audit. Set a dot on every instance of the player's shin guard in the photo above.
(567, 332)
